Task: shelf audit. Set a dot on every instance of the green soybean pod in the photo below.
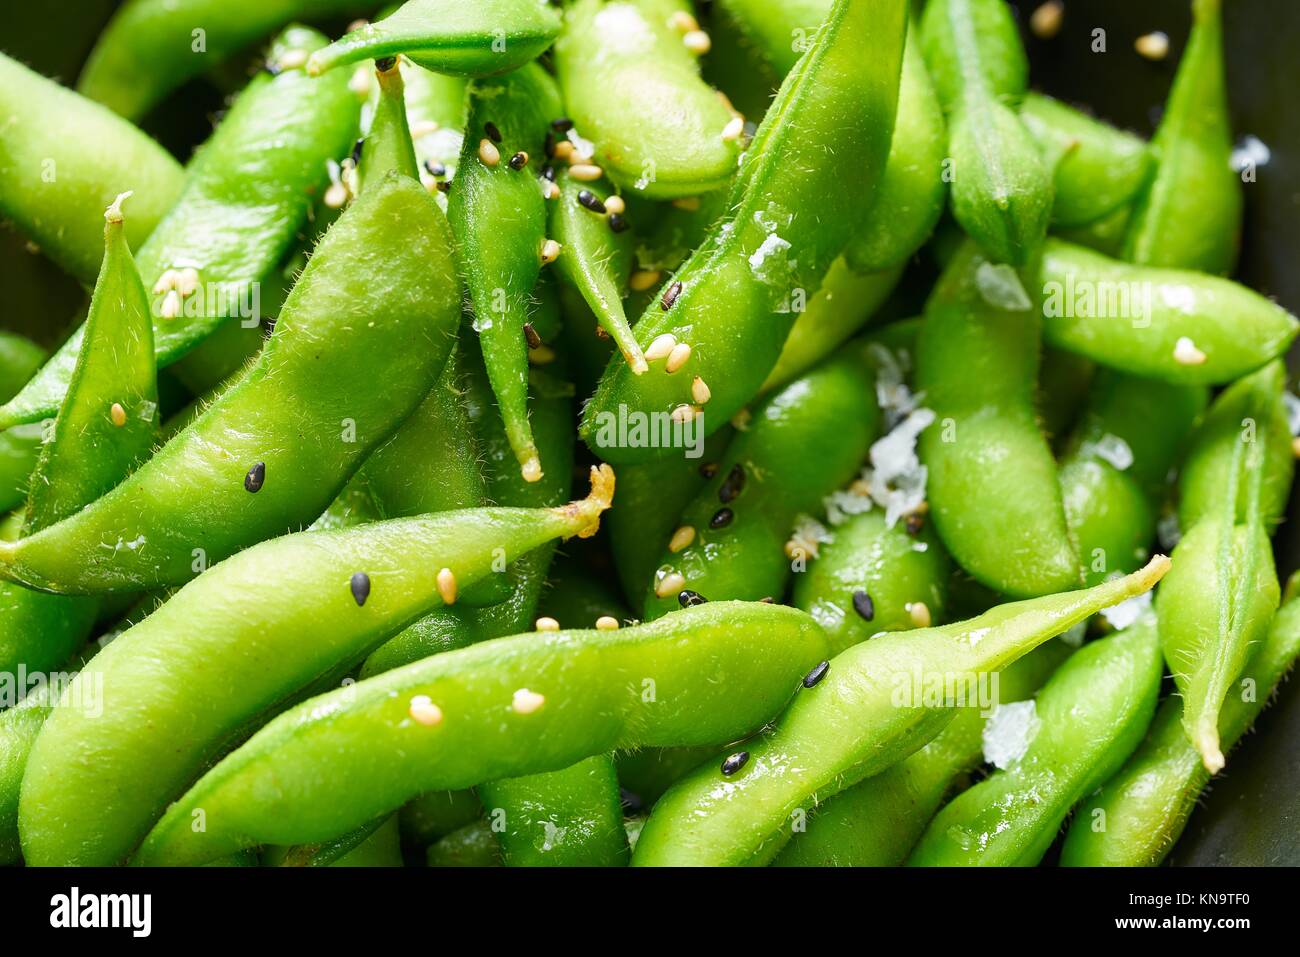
(511, 706)
(633, 88)
(728, 309)
(62, 160)
(498, 215)
(872, 577)
(1114, 474)
(802, 443)
(1190, 215)
(247, 192)
(474, 845)
(483, 38)
(877, 822)
(107, 426)
(876, 703)
(375, 844)
(1001, 189)
(352, 587)
(20, 446)
(1139, 813)
(1169, 324)
(990, 467)
(19, 726)
(1099, 169)
(1090, 717)
(230, 478)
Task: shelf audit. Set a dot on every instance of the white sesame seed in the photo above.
(171, 305)
(614, 204)
(735, 126)
(166, 282)
(542, 355)
(293, 60)
(526, 702)
(488, 153)
(586, 172)
(187, 283)
(1153, 46)
(424, 128)
(336, 195)
(685, 413)
(661, 347)
(447, 586)
(698, 42)
(644, 279)
(690, 204)
(546, 624)
(532, 470)
(682, 538)
(550, 251)
(359, 83)
(1186, 353)
(564, 150)
(606, 623)
(117, 414)
(683, 22)
(424, 711)
(680, 355)
(669, 584)
(700, 391)
(919, 612)
(1045, 22)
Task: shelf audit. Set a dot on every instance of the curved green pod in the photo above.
(231, 478)
(1091, 715)
(1169, 324)
(483, 38)
(1140, 812)
(19, 726)
(1189, 217)
(1001, 188)
(730, 305)
(247, 192)
(99, 777)
(1096, 168)
(633, 89)
(518, 705)
(990, 467)
(893, 568)
(53, 191)
(801, 443)
(878, 702)
(877, 822)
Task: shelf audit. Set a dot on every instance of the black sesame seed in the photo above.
(356, 151)
(492, 132)
(444, 186)
(915, 522)
(548, 144)
(709, 469)
(735, 762)
(255, 477)
(562, 125)
(386, 63)
(670, 296)
(732, 485)
(617, 223)
(519, 161)
(722, 518)
(863, 605)
(360, 587)
(591, 201)
(689, 599)
(548, 173)
(816, 675)
(531, 337)
(436, 170)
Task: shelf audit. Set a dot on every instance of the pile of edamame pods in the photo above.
(515, 436)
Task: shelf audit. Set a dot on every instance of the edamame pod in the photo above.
(1139, 813)
(990, 467)
(231, 478)
(473, 845)
(877, 703)
(62, 160)
(728, 309)
(498, 215)
(1190, 214)
(19, 726)
(97, 781)
(877, 822)
(247, 192)
(632, 86)
(518, 705)
(1001, 188)
(483, 38)
(735, 539)
(1169, 324)
(1090, 717)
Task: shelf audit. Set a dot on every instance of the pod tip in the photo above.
(114, 212)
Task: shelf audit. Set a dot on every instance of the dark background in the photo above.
(1252, 814)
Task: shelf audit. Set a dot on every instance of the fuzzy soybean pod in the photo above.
(1190, 214)
(875, 704)
(517, 705)
(247, 192)
(1218, 603)
(1114, 474)
(1138, 814)
(99, 776)
(729, 308)
(1171, 324)
(597, 257)
(107, 426)
(1089, 718)
(632, 85)
(62, 160)
(498, 215)
(877, 822)
(1096, 168)
(483, 38)
(1001, 188)
(990, 467)
(802, 443)
(273, 450)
